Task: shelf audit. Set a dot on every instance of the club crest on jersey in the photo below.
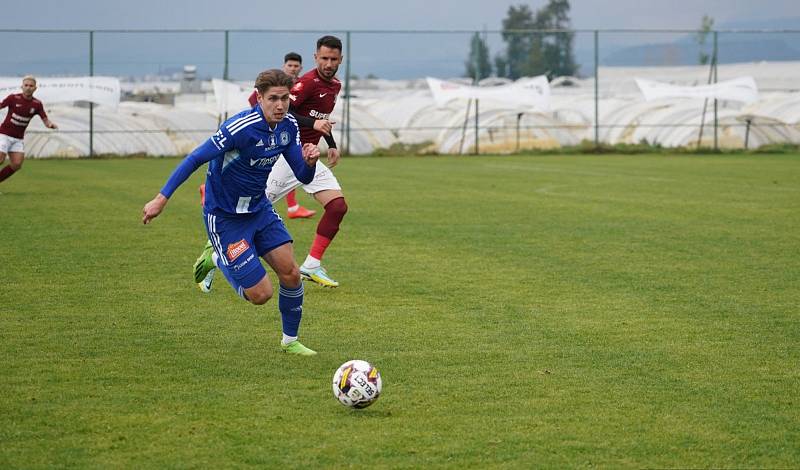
(284, 138)
(236, 249)
(272, 140)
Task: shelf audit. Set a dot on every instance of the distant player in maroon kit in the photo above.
(21, 108)
(314, 96)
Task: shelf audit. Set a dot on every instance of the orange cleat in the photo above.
(300, 213)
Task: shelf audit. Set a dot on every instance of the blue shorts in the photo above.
(241, 239)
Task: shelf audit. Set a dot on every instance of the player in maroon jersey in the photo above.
(21, 108)
(314, 96)
(293, 65)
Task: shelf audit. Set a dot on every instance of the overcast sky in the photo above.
(373, 14)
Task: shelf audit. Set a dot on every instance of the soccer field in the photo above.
(548, 311)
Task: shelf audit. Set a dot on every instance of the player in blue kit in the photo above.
(239, 219)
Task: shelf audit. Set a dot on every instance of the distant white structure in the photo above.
(386, 112)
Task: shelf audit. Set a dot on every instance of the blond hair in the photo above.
(29, 77)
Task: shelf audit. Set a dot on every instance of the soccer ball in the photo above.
(357, 384)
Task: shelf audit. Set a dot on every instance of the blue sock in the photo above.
(290, 303)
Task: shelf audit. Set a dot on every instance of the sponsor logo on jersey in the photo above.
(261, 162)
(260, 143)
(33, 110)
(218, 140)
(298, 86)
(284, 138)
(318, 115)
(236, 249)
(322, 95)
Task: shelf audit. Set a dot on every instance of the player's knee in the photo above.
(259, 298)
(337, 207)
(15, 165)
(290, 278)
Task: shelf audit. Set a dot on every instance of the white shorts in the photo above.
(11, 144)
(281, 180)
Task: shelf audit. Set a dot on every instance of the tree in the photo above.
(557, 49)
(518, 44)
(478, 65)
(705, 28)
(534, 53)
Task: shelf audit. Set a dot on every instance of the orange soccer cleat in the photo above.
(300, 213)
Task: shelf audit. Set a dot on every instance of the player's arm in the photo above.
(212, 148)
(302, 160)
(42, 114)
(320, 125)
(4, 103)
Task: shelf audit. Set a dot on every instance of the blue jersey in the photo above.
(241, 155)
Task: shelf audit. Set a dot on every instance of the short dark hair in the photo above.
(292, 56)
(331, 42)
(271, 78)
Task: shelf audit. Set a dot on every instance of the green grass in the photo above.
(561, 311)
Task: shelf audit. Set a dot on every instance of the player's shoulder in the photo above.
(291, 122)
(242, 120)
(303, 82)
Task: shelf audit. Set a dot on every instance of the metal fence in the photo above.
(604, 59)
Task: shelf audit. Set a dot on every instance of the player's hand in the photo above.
(323, 125)
(153, 208)
(333, 157)
(310, 154)
(52, 125)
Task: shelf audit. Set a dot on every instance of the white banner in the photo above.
(98, 90)
(525, 93)
(740, 89)
(231, 97)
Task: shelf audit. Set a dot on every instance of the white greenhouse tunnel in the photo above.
(386, 112)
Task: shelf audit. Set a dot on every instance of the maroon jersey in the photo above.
(20, 112)
(314, 97)
(253, 99)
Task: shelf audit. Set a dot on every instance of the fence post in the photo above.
(347, 95)
(91, 105)
(596, 90)
(716, 117)
(477, 127)
(225, 73)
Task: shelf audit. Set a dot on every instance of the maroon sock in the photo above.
(6, 172)
(328, 226)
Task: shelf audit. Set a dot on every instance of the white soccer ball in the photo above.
(357, 384)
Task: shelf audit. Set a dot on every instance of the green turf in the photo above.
(610, 311)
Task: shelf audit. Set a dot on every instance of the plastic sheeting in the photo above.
(384, 113)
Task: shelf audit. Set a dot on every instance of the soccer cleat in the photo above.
(300, 213)
(204, 269)
(318, 275)
(296, 347)
(205, 284)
